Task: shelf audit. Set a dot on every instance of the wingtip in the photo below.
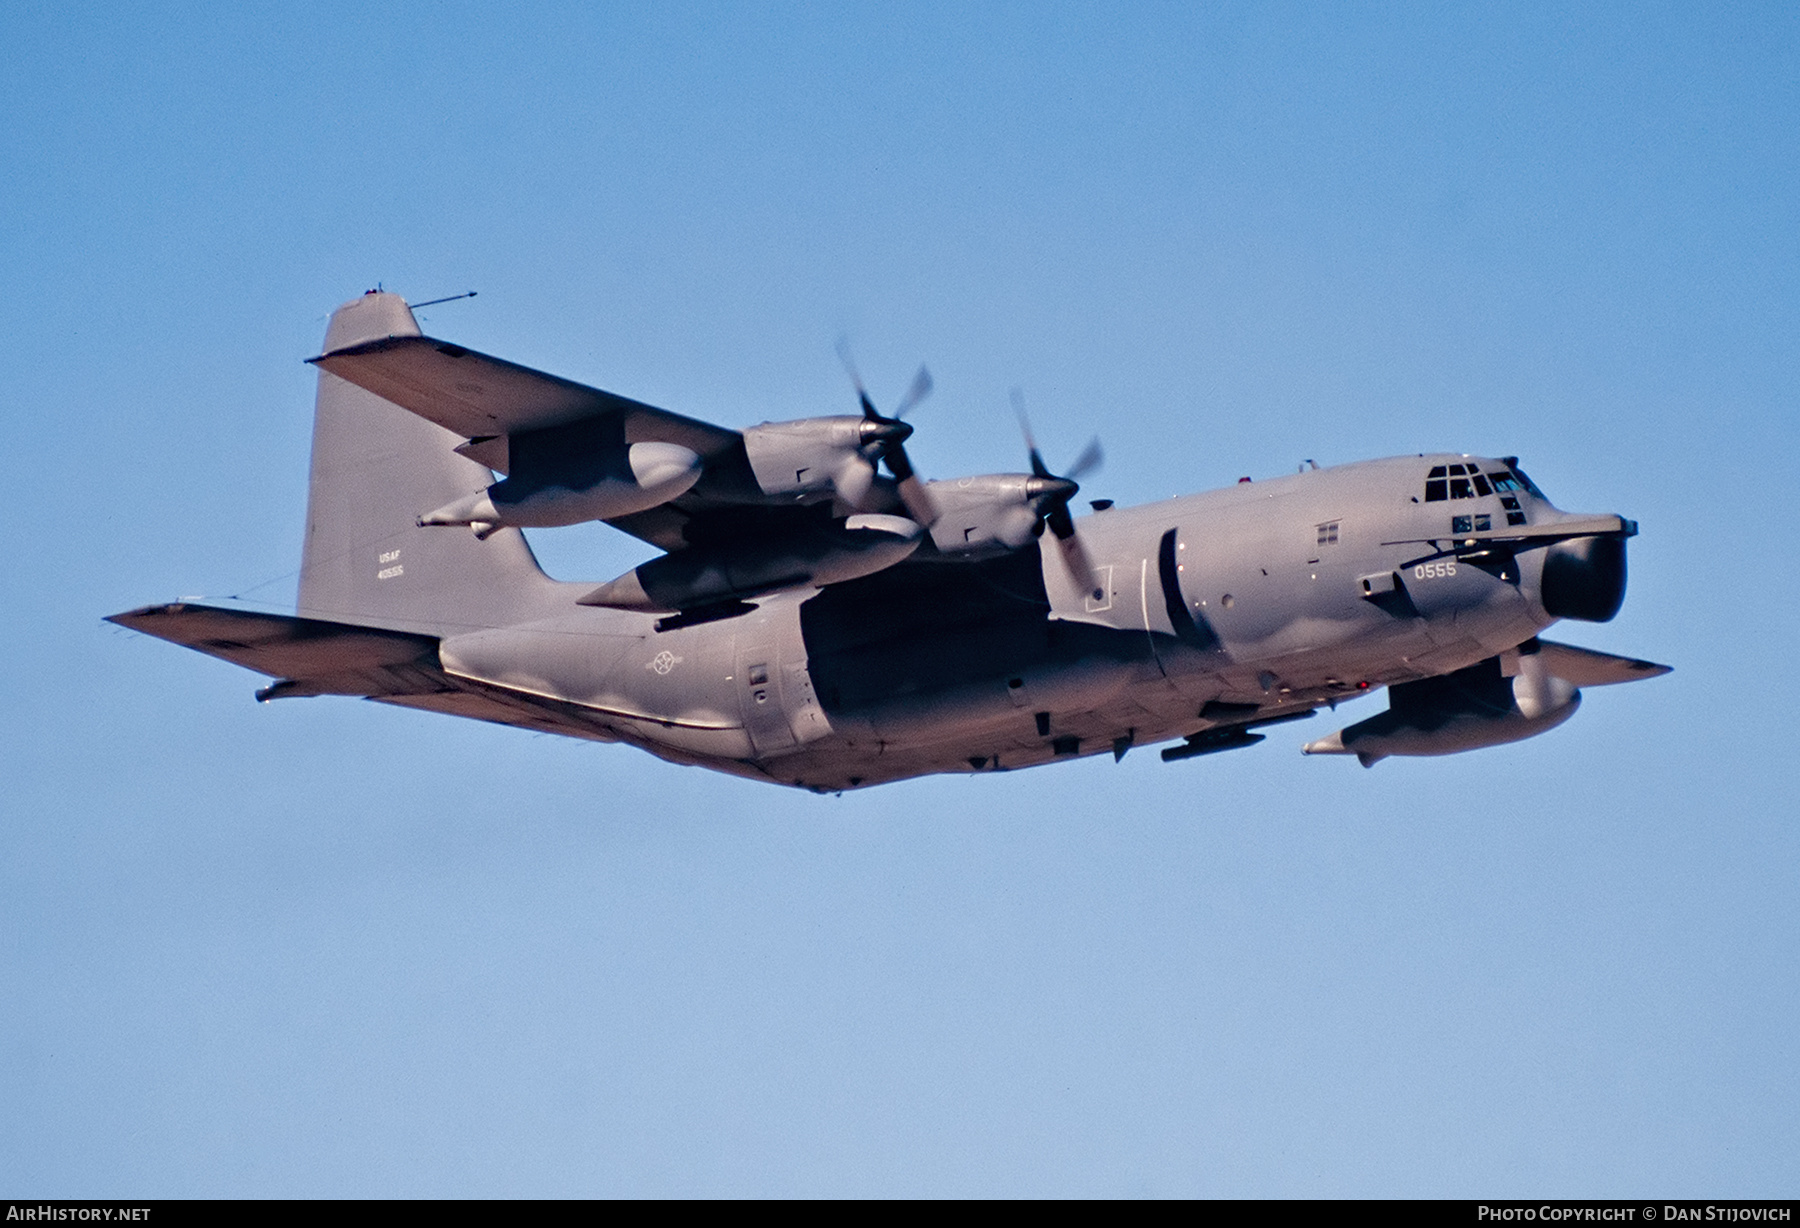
(130, 618)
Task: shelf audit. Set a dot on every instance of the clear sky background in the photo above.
(324, 947)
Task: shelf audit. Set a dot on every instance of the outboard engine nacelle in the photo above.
(604, 484)
(1499, 700)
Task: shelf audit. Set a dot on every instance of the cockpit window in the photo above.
(1468, 482)
(1526, 482)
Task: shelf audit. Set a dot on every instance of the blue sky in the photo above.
(321, 947)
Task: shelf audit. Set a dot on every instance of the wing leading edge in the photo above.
(483, 398)
(492, 403)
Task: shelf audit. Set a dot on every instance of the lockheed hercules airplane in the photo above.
(813, 621)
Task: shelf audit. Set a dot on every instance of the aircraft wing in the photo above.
(485, 399)
(1585, 667)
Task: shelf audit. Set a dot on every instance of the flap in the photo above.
(1585, 667)
(478, 396)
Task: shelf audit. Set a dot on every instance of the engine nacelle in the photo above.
(813, 455)
(1496, 701)
(650, 474)
(709, 575)
(988, 514)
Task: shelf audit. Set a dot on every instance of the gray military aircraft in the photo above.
(816, 622)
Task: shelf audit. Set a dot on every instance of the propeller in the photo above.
(884, 441)
(1050, 493)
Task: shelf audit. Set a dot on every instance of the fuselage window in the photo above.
(1435, 490)
(1328, 534)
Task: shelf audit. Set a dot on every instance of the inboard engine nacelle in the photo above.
(712, 575)
(989, 513)
(992, 513)
(813, 455)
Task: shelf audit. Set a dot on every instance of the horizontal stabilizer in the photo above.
(478, 396)
(1585, 667)
(331, 657)
(315, 657)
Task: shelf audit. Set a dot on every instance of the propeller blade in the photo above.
(853, 481)
(1091, 458)
(1038, 468)
(843, 353)
(862, 394)
(919, 503)
(921, 388)
(1080, 566)
(1051, 495)
(886, 438)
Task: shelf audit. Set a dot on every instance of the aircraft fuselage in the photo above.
(1231, 607)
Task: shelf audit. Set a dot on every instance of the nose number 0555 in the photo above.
(1430, 571)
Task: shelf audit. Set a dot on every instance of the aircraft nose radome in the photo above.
(1584, 578)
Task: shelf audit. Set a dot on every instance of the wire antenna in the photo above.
(448, 299)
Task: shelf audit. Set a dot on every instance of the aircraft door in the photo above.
(774, 688)
(1181, 613)
(806, 719)
(759, 681)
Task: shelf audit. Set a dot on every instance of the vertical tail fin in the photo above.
(375, 469)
